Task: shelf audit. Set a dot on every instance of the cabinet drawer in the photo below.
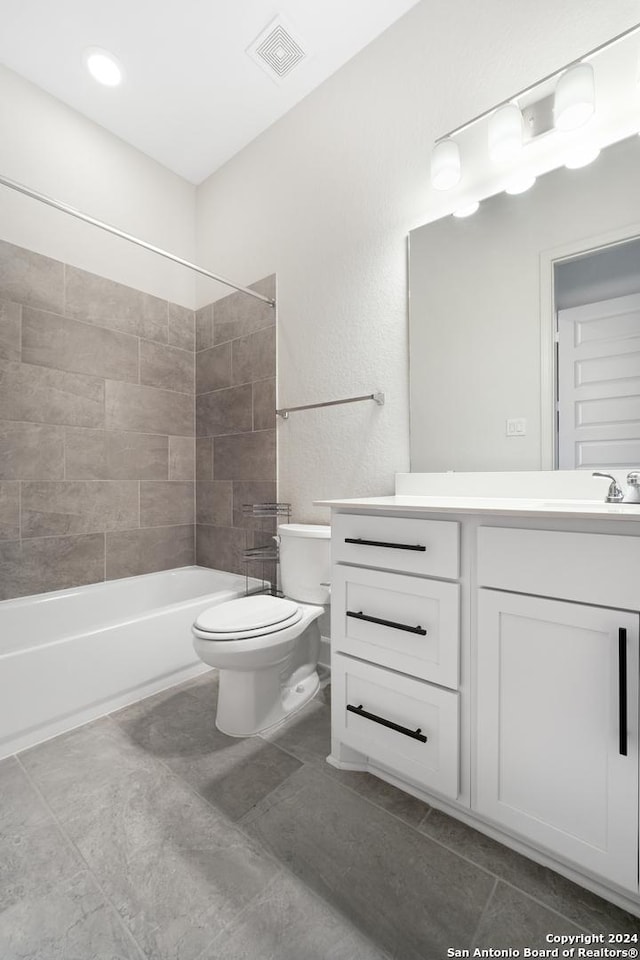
(585, 567)
(429, 547)
(406, 623)
(375, 711)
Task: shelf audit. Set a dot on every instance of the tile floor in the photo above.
(149, 834)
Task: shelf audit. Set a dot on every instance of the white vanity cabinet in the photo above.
(556, 728)
(557, 693)
(487, 661)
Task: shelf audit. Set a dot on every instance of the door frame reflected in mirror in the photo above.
(549, 260)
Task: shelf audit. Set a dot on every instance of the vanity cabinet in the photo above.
(488, 663)
(556, 728)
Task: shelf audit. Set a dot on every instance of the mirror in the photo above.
(486, 296)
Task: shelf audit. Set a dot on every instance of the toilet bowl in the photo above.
(266, 648)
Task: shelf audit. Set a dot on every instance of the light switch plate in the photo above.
(516, 427)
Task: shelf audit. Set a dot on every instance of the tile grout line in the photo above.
(106, 898)
(233, 922)
(482, 915)
(486, 870)
(236, 824)
(499, 877)
(541, 903)
(137, 432)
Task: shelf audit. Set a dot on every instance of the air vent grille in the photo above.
(276, 50)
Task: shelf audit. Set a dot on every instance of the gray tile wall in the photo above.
(97, 448)
(235, 424)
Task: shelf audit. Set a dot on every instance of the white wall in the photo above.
(326, 197)
(54, 150)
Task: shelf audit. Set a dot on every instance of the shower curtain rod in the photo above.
(65, 208)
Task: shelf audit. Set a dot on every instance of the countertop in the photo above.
(500, 506)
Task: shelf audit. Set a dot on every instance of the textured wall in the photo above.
(326, 197)
(235, 425)
(53, 149)
(96, 428)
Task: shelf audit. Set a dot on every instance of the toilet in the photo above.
(266, 648)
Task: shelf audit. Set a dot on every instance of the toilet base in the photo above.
(251, 703)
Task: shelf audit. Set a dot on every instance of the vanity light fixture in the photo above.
(575, 97)
(103, 66)
(467, 210)
(505, 133)
(582, 156)
(520, 183)
(445, 164)
(532, 132)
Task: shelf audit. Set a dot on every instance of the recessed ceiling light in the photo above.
(103, 66)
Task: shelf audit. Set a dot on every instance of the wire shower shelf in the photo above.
(262, 552)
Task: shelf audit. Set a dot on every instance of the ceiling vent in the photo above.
(276, 50)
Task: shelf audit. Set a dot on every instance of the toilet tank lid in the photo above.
(313, 530)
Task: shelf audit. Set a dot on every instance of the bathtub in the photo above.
(73, 655)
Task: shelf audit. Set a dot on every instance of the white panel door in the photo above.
(557, 755)
(599, 384)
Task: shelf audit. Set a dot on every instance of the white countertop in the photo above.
(505, 506)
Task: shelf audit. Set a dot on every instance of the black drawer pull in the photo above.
(381, 543)
(414, 734)
(622, 689)
(387, 623)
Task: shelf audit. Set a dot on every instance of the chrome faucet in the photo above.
(615, 493)
(632, 493)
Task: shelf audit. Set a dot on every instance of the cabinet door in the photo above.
(552, 728)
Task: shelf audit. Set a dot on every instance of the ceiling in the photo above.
(192, 97)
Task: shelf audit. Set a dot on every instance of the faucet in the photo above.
(615, 493)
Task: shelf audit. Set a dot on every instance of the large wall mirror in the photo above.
(525, 326)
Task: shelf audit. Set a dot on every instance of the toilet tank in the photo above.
(305, 561)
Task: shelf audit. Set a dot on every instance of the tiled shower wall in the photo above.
(96, 428)
(235, 425)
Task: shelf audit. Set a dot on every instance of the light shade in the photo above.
(103, 66)
(520, 183)
(505, 133)
(582, 156)
(575, 97)
(467, 210)
(445, 164)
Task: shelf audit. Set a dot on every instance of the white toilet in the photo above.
(266, 648)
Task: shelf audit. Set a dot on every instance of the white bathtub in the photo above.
(74, 655)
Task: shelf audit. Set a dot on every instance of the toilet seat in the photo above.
(247, 617)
